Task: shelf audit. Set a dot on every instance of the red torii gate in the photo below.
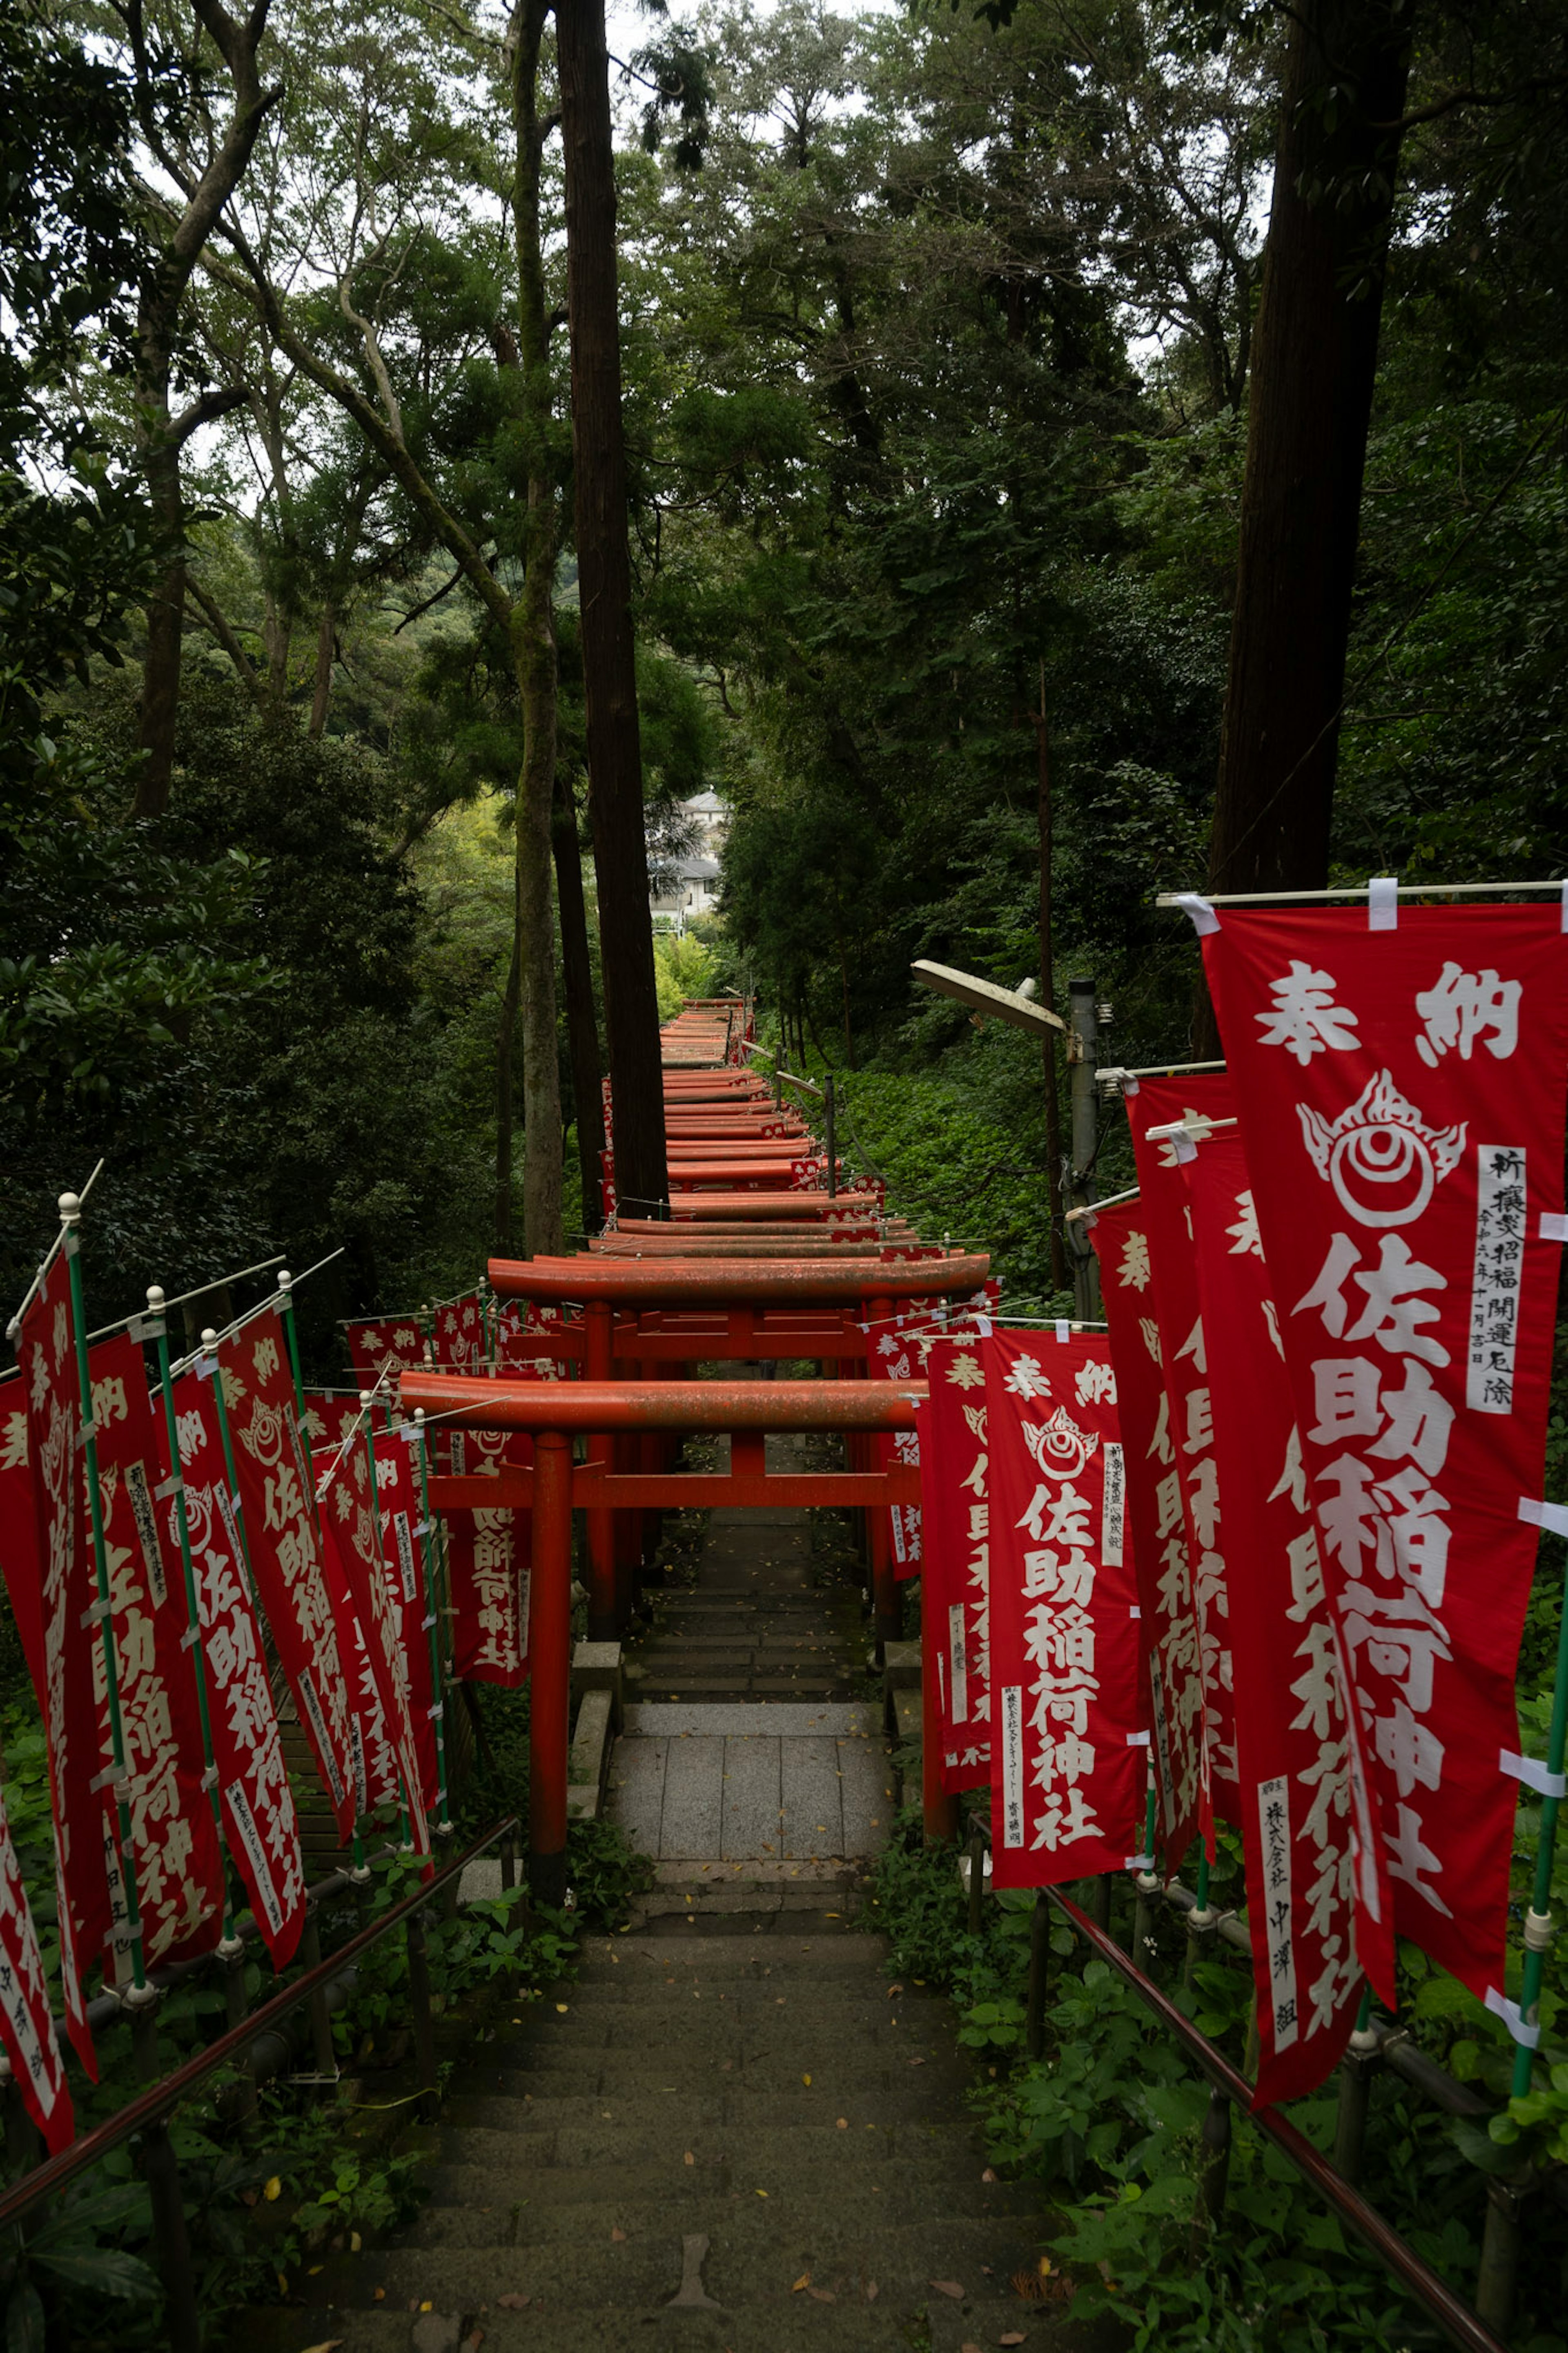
(660, 1312)
(554, 1412)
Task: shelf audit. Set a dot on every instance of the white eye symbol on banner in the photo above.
(1380, 1158)
(1058, 1446)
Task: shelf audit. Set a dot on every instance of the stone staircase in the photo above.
(731, 2132)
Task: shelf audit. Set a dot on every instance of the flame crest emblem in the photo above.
(1383, 1160)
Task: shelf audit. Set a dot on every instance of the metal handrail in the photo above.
(1453, 2315)
(149, 2106)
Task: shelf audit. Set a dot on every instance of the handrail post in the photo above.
(939, 1811)
(325, 2056)
(160, 2171)
(1357, 2068)
(975, 1851)
(549, 1666)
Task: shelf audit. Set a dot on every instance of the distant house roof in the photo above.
(708, 804)
(697, 870)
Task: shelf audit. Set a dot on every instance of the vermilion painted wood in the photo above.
(681, 1490)
(781, 1282)
(600, 1406)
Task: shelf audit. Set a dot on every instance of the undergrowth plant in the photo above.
(1110, 2122)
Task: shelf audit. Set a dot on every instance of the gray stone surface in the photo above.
(692, 1822)
(784, 1719)
(811, 1798)
(753, 1817)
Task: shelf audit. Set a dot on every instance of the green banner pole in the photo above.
(155, 1327)
(70, 1218)
(434, 1545)
(367, 1400)
(1538, 1919)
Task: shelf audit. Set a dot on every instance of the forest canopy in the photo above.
(939, 333)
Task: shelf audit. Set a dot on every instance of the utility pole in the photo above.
(1083, 1053)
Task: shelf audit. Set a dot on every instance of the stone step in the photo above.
(797, 2178)
(538, 2114)
(789, 2324)
(641, 2132)
(848, 1953)
(757, 2249)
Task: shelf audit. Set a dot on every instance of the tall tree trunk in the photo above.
(1047, 827)
(506, 1063)
(582, 1024)
(534, 663)
(326, 650)
(162, 436)
(1314, 360)
(604, 568)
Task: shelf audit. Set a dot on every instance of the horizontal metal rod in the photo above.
(1455, 2319)
(200, 1291)
(1112, 1201)
(158, 2098)
(1357, 891)
(1112, 1073)
(1197, 1126)
(570, 1406)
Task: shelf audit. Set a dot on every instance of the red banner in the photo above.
(892, 1356)
(458, 1340)
(86, 1861)
(1298, 1767)
(247, 1748)
(523, 1329)
(1190, 1469)
(954, 1592)
(27, 2027)
(396, 1340)
(173, 1838)
(272, 1464)
(403, 1549)
(350, 1527)
(1172, 1652)
(1399, 1074)
(1069, 1727)
(489, 1567)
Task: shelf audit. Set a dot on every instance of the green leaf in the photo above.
(25, 2325)
(105, 2269)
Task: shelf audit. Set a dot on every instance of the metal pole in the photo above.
(160, 2171)
(423, 2017)
(832, 1142)
(433, 1543)
(939, 1811)
(1357, 2070)
(1538, 1919)
(1083, 1049)
(549, 1666)
(412, 1805)
(70, 1217)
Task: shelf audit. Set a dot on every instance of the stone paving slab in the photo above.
(710, 1796)
(783, 1719)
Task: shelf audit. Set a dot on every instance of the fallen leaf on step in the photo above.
(1012, 2336)
(428, 2305)
(872, 2291)
(821, 2294)
(512, 2303)
(969, 2346)
(355, 2242)
(806, 2081)
(843, 2123)
(947, 2287)
(892, 1991)
(327, 2345)
(804, 2281)
(988, 2175)
(274, 2190)
(690, 2158)
(564, 2007)
(920, 2062)
(761, 2193)
(617, 2238)
(378, 2296)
